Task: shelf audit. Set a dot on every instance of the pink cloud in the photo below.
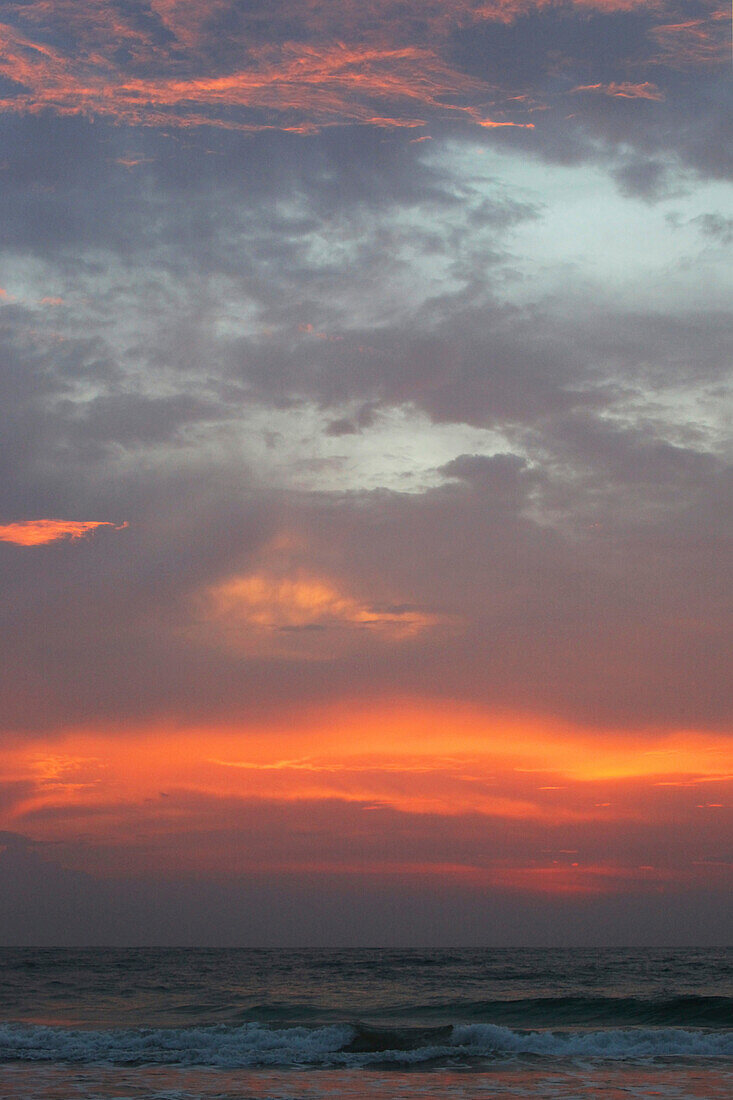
(624, 90)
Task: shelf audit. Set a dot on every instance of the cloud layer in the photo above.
(398, 338)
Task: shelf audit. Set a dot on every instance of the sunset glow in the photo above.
(124, 798)
(391, 342)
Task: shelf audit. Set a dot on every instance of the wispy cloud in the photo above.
(624, 90)
(38, 532)
(291, 85)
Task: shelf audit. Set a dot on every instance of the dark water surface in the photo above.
(182, 1024)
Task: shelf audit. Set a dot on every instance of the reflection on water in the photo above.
(590, 1082)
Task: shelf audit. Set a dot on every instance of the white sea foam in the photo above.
(247, 1045)
(613, 1043)
(254, 1045)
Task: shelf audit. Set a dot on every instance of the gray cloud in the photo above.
(188, 313)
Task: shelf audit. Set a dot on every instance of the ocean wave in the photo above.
(592, 1011)
(347, 1045)
(685, 1011)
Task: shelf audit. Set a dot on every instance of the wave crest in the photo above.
(347, 1045)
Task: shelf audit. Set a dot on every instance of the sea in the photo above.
(190, 1024)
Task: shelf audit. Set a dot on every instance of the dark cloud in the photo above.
(565, 562)
(551, 48)
(200, 77)
(642, 178)
(716, 226)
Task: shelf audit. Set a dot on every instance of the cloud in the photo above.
(283, 606)
(248, 609)
(394, 421)
(348, 909)
(540, 428)
(694, 43)
(38, 532)
(455, 799)
(626, 90)
(306, 84)
(502, 475)
(299, 69)
(717, 226)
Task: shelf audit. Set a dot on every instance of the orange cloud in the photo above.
(314, 81)
(625, 90)
(329, 84)
(449, 758)
(298, 600)
(385, 67)
(696, 42)
(406, 788)
(38, 532)
(284, 603)
(187, 19)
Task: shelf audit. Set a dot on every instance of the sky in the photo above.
(365, 485)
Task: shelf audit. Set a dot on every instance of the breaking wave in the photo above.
(252, 1044)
